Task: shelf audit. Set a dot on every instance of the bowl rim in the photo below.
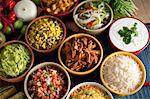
(91, 83)
(84, 72)
(90, 30)
(61, 14)
(134, 52)
(22, 76)
(137, 60)
(43, 65)
(57, 45)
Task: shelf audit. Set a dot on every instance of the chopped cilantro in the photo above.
(105, 94)
(86, 93)
(127, 33)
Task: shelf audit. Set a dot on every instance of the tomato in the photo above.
(11, 4)
(90, 24)
(12, 16)
(89, 8)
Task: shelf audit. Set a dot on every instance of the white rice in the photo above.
(122, 73)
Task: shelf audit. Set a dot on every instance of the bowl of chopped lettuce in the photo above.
(93, 16)
(16, 59)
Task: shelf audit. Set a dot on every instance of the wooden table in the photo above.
(143, 12)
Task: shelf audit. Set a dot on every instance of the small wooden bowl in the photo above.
(56, 46)
(22, 76)
(141, 65)
(84, 72)
(60, 14)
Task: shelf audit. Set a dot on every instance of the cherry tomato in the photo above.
(12, 16)
(11, 4)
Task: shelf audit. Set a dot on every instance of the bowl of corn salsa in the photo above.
(44, 34)
(47, 80)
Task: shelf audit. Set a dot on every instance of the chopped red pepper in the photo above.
(90, 24)
(5, 19)
(89, 8)
(12, 16)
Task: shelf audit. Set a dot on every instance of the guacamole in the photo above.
(14, 59)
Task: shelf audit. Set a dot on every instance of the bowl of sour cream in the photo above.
(129, 34)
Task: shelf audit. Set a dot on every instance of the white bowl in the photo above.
(42, 65)
(138, 43)
(91, 83)
(90, 31)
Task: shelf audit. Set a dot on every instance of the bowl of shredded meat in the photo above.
(80, 54)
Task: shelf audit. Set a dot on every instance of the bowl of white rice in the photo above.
(123, 73)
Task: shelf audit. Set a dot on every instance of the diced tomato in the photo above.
(90, 24)
(89, 8)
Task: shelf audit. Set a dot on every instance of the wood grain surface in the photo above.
(143, 12)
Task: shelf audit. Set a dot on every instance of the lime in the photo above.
(8, 30)
(1, 25)
(37, 2)
(18, 24)
(23, 30)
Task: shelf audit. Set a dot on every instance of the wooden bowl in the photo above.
(52, 64)
(137, 60)
(22, 76)
(60, 14)
(54, 47)
(84, 72)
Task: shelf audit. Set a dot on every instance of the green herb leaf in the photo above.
(86, 93)
(127, 39)
(127, 33)
(105, 94)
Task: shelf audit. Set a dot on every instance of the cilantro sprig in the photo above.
(128, 34)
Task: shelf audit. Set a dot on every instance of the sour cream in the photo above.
(137, 42)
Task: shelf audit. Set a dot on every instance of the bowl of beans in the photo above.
(59, 7)
(45, 33)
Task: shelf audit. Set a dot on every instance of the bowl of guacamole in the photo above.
(16, 59)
